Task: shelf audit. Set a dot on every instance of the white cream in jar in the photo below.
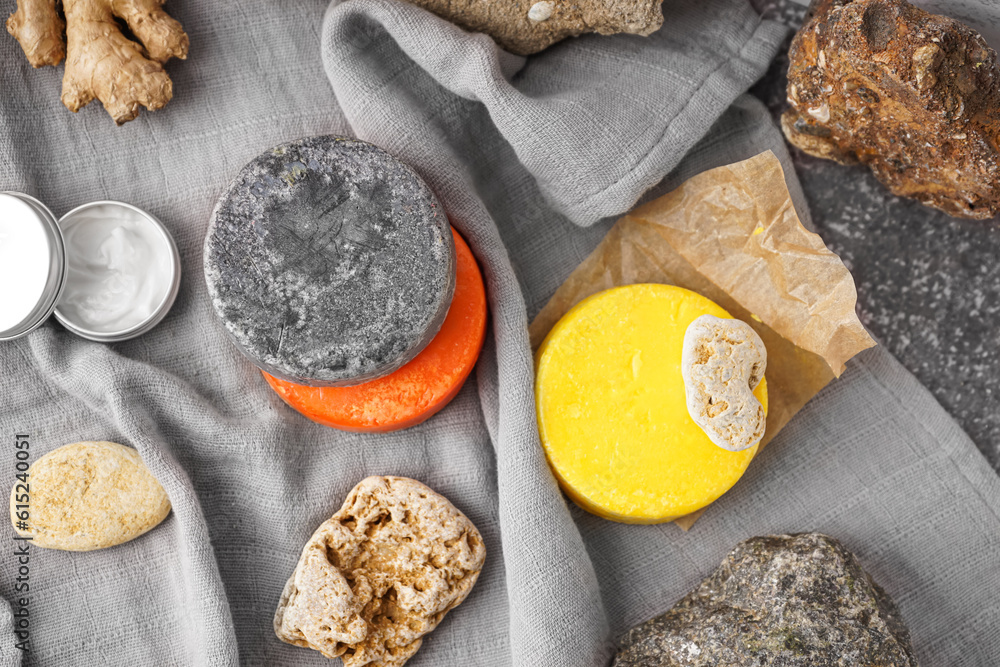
(120, 268)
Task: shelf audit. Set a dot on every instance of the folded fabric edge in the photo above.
(722, 88)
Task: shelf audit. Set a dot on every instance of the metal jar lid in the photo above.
(30, 243)
(30, 233)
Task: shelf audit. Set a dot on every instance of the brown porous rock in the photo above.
(529, 26)
(914, 96)
(380, 574)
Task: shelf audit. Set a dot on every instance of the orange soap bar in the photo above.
(419, 389)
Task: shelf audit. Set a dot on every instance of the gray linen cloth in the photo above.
(524, 155)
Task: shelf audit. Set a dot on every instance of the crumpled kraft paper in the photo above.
(732, 234)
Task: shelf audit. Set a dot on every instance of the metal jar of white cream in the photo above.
(120, 271)
(109, 271)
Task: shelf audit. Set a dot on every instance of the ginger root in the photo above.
(37, 26)
(101, 62)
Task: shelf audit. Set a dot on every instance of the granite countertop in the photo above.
(928, 284)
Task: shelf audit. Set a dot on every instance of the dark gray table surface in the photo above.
(928, 284)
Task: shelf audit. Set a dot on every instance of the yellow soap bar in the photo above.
(612, 413)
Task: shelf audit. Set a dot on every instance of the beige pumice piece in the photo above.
(380, 574)
(88, 495)
(722, 362)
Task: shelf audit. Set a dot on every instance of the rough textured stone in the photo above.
(329, 262)
(89, 495)
(380, 574)
(778, 601)
(529, 26)
(936, 311)
(722, 362)
(912, 95)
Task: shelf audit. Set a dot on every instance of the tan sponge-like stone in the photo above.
(380, 574)
(88, 495)
(722, 362)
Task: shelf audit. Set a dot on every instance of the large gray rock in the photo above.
(329, 262)
(778, 601)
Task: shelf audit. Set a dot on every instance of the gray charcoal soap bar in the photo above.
(329, 262)
(777, 601)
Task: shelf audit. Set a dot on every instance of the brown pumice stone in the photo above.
(914, 96)
(529, 26)
(380, 574)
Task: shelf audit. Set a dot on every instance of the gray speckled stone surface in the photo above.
(329, 262)
(928, 284)
(778, 601)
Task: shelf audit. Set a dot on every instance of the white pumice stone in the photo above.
(722, 363)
